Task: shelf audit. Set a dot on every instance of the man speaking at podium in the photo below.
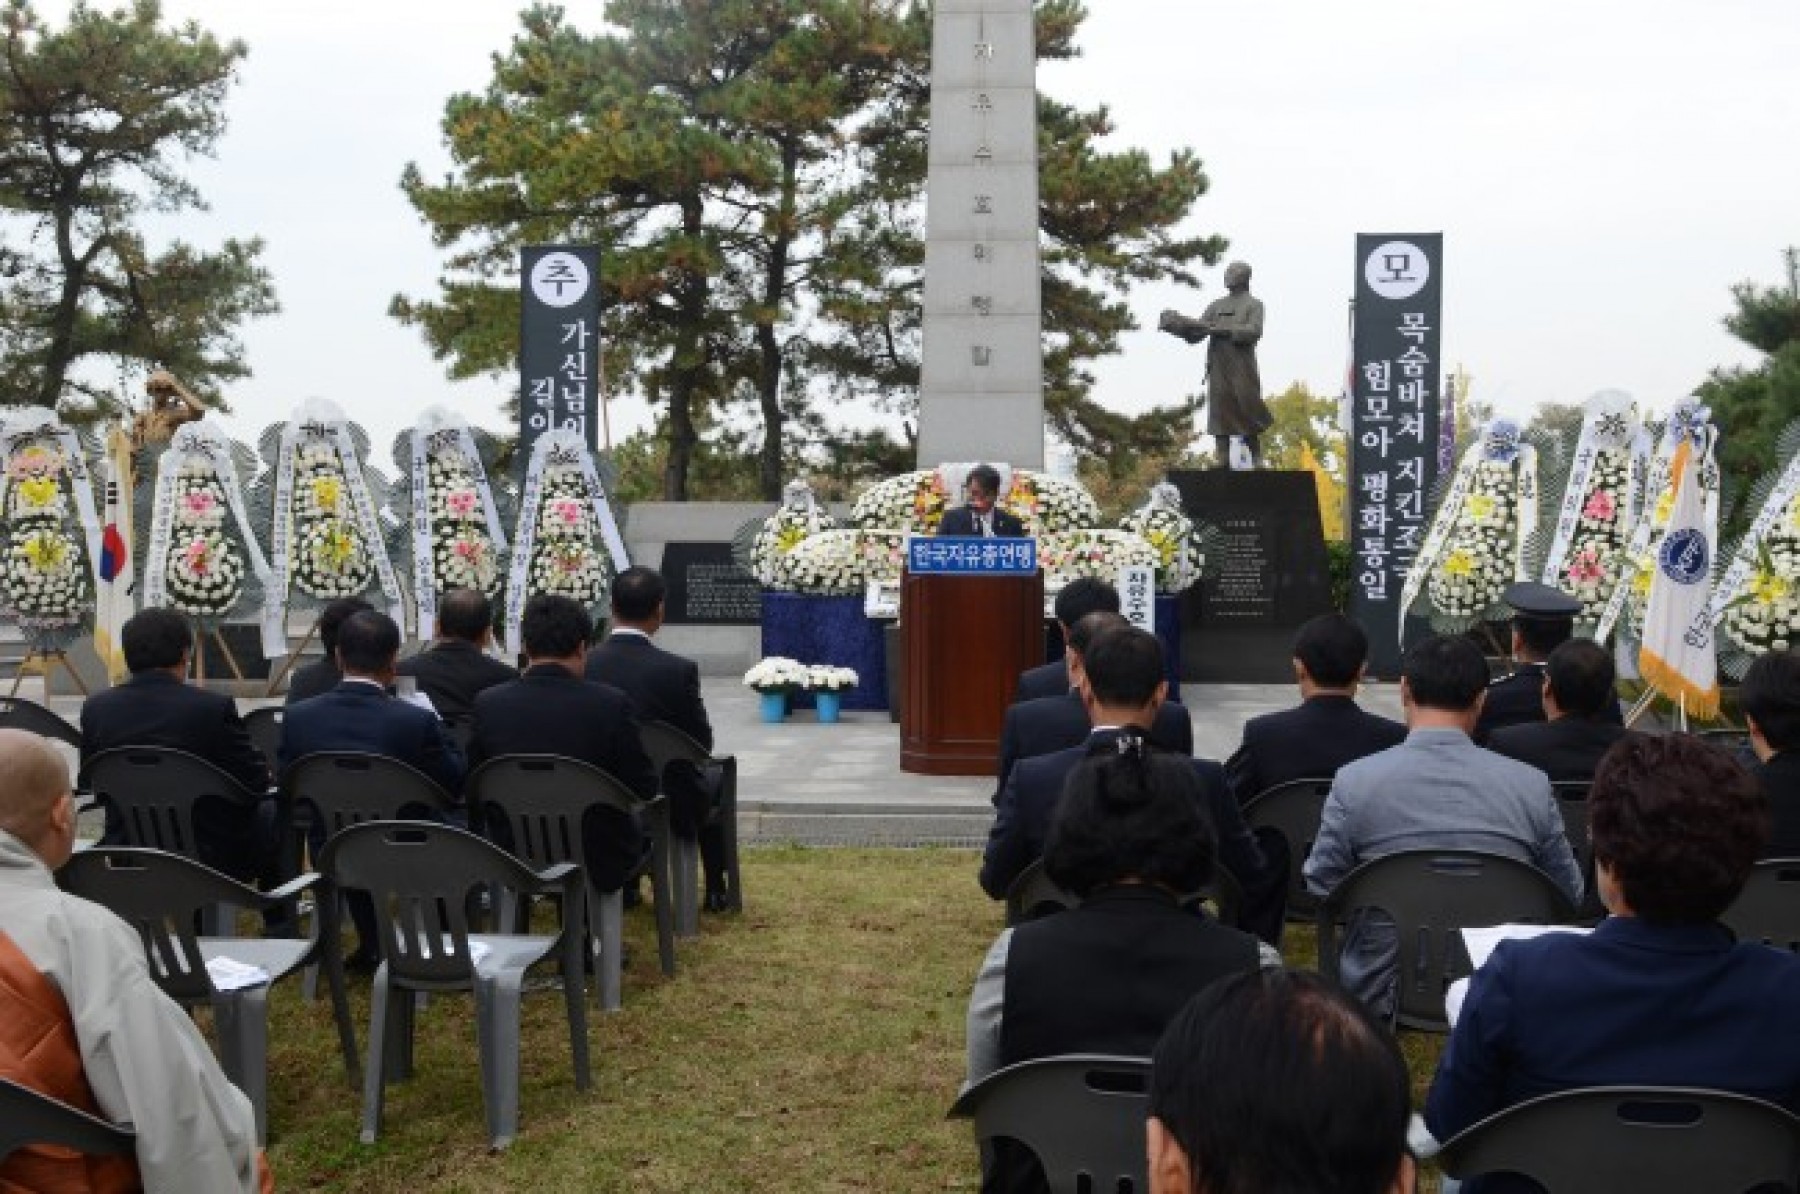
(980, 516)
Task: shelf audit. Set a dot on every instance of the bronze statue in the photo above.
(1235, 403)
(171, 404)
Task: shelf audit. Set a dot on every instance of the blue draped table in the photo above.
(831, 630)
(835, 630)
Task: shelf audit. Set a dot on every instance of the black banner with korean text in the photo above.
(559, 343)
(1394, 425)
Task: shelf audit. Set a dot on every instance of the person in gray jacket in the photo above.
(1436, 790)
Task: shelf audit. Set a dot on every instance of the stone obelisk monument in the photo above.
(981, 392)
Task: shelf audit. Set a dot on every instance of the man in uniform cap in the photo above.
(1543, 619)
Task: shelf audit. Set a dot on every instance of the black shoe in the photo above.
(633, 897)
(363, 961)
(716, 900)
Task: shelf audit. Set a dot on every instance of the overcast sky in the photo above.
(1602, 173)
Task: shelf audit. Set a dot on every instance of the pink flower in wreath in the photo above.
(1600, 505)
(567, 511)
(470, 550)
(198, 557)
(198, 503)
(461, 502)
(1585, 566)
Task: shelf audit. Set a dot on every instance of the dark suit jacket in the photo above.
(1631, 1004)
(661, 686)
(550, 711)
(1310, 741)
(960, 520)
(451, 672)
(156, 709)
(1022, 820)
(1780, 778)
(1568, 748)
(1047, 680)
(1519, 698)
(360, 716)
(313, 679)
(1047, 724)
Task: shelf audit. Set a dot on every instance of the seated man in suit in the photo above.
(1122, 686)
(552, 710)
(322, 675)
(1770, 698)
(157, 707)
(1327, 729)
(1277, 1080)
(1659, 994)
(979, 515)
(457, 666)
(1436, 790)
(1079, 598)
(1543, 619)
(1046, 724)
(362, 714)
(82, 1021)
(1578, 691)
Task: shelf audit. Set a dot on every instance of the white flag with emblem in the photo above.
(1678, 657)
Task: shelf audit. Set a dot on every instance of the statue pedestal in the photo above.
(1238, 626)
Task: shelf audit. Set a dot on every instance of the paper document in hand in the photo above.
(1481, 942)
(230, 975)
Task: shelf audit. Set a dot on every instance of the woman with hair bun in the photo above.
(1129, 837)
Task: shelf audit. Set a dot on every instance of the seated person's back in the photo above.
(1659, 993)
(455, 668)
(1770, 697)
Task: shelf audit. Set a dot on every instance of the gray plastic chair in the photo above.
(28, 1117)
(160, 895)
(264, 727)
(1768, 909)
(341, 788)
(666, 744)
(1083, 1115)
(541, 800)
(419, 875)
(1431, 895)
(1292, 810)
(17, 713)
(1634, 1140)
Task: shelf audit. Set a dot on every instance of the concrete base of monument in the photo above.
(1237, 627)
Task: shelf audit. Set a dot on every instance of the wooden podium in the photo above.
(965, 641)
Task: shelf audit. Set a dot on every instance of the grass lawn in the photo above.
(811, 1044)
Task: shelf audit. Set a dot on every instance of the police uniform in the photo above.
(1518, 697)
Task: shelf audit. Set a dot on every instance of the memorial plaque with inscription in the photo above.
(708, 587)
(1238, 625)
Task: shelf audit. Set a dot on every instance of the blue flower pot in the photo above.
(828, 705)
(774, 707)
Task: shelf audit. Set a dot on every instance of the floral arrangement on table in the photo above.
(1068, 555)
(777, 674)
(567, 542)
(826, 678)
(1599, 505)
(1180, 558)
(202, 552)
(326, 540)
(799, 517)
(1630, 597)
(1476, 544)
(1756, 603)
(916, 501)
(46, 582)
(842, 562)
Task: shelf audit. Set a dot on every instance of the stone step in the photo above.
(856, 825)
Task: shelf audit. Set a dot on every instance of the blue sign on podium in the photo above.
(971, 555)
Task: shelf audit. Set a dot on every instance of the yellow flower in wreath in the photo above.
(327, 492)
(1768, 588)
(37, 492)
(336, 547)
(1459, 563)
(46, 552)
(1481, 507)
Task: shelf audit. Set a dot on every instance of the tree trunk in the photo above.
(687, 367)
(768, 382)
(61, 349)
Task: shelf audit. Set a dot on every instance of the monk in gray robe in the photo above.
(1234, 386)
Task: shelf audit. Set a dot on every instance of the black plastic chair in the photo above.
(1571, 800)
(420, 876)
(1034, 894)
(1431, 895)
(1292, 810)
(1768, 909)
(1634, 1140)
(666, 744)
(28, 1118)
(264, 726)
(541, 800)
(160, 895)
(17, 713)
(1083, 1115)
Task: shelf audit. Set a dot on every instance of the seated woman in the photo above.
(1659, 994)
(1129, 837)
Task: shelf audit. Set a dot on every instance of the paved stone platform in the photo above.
(812, 784)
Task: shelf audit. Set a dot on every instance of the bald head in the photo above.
(33, 782)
